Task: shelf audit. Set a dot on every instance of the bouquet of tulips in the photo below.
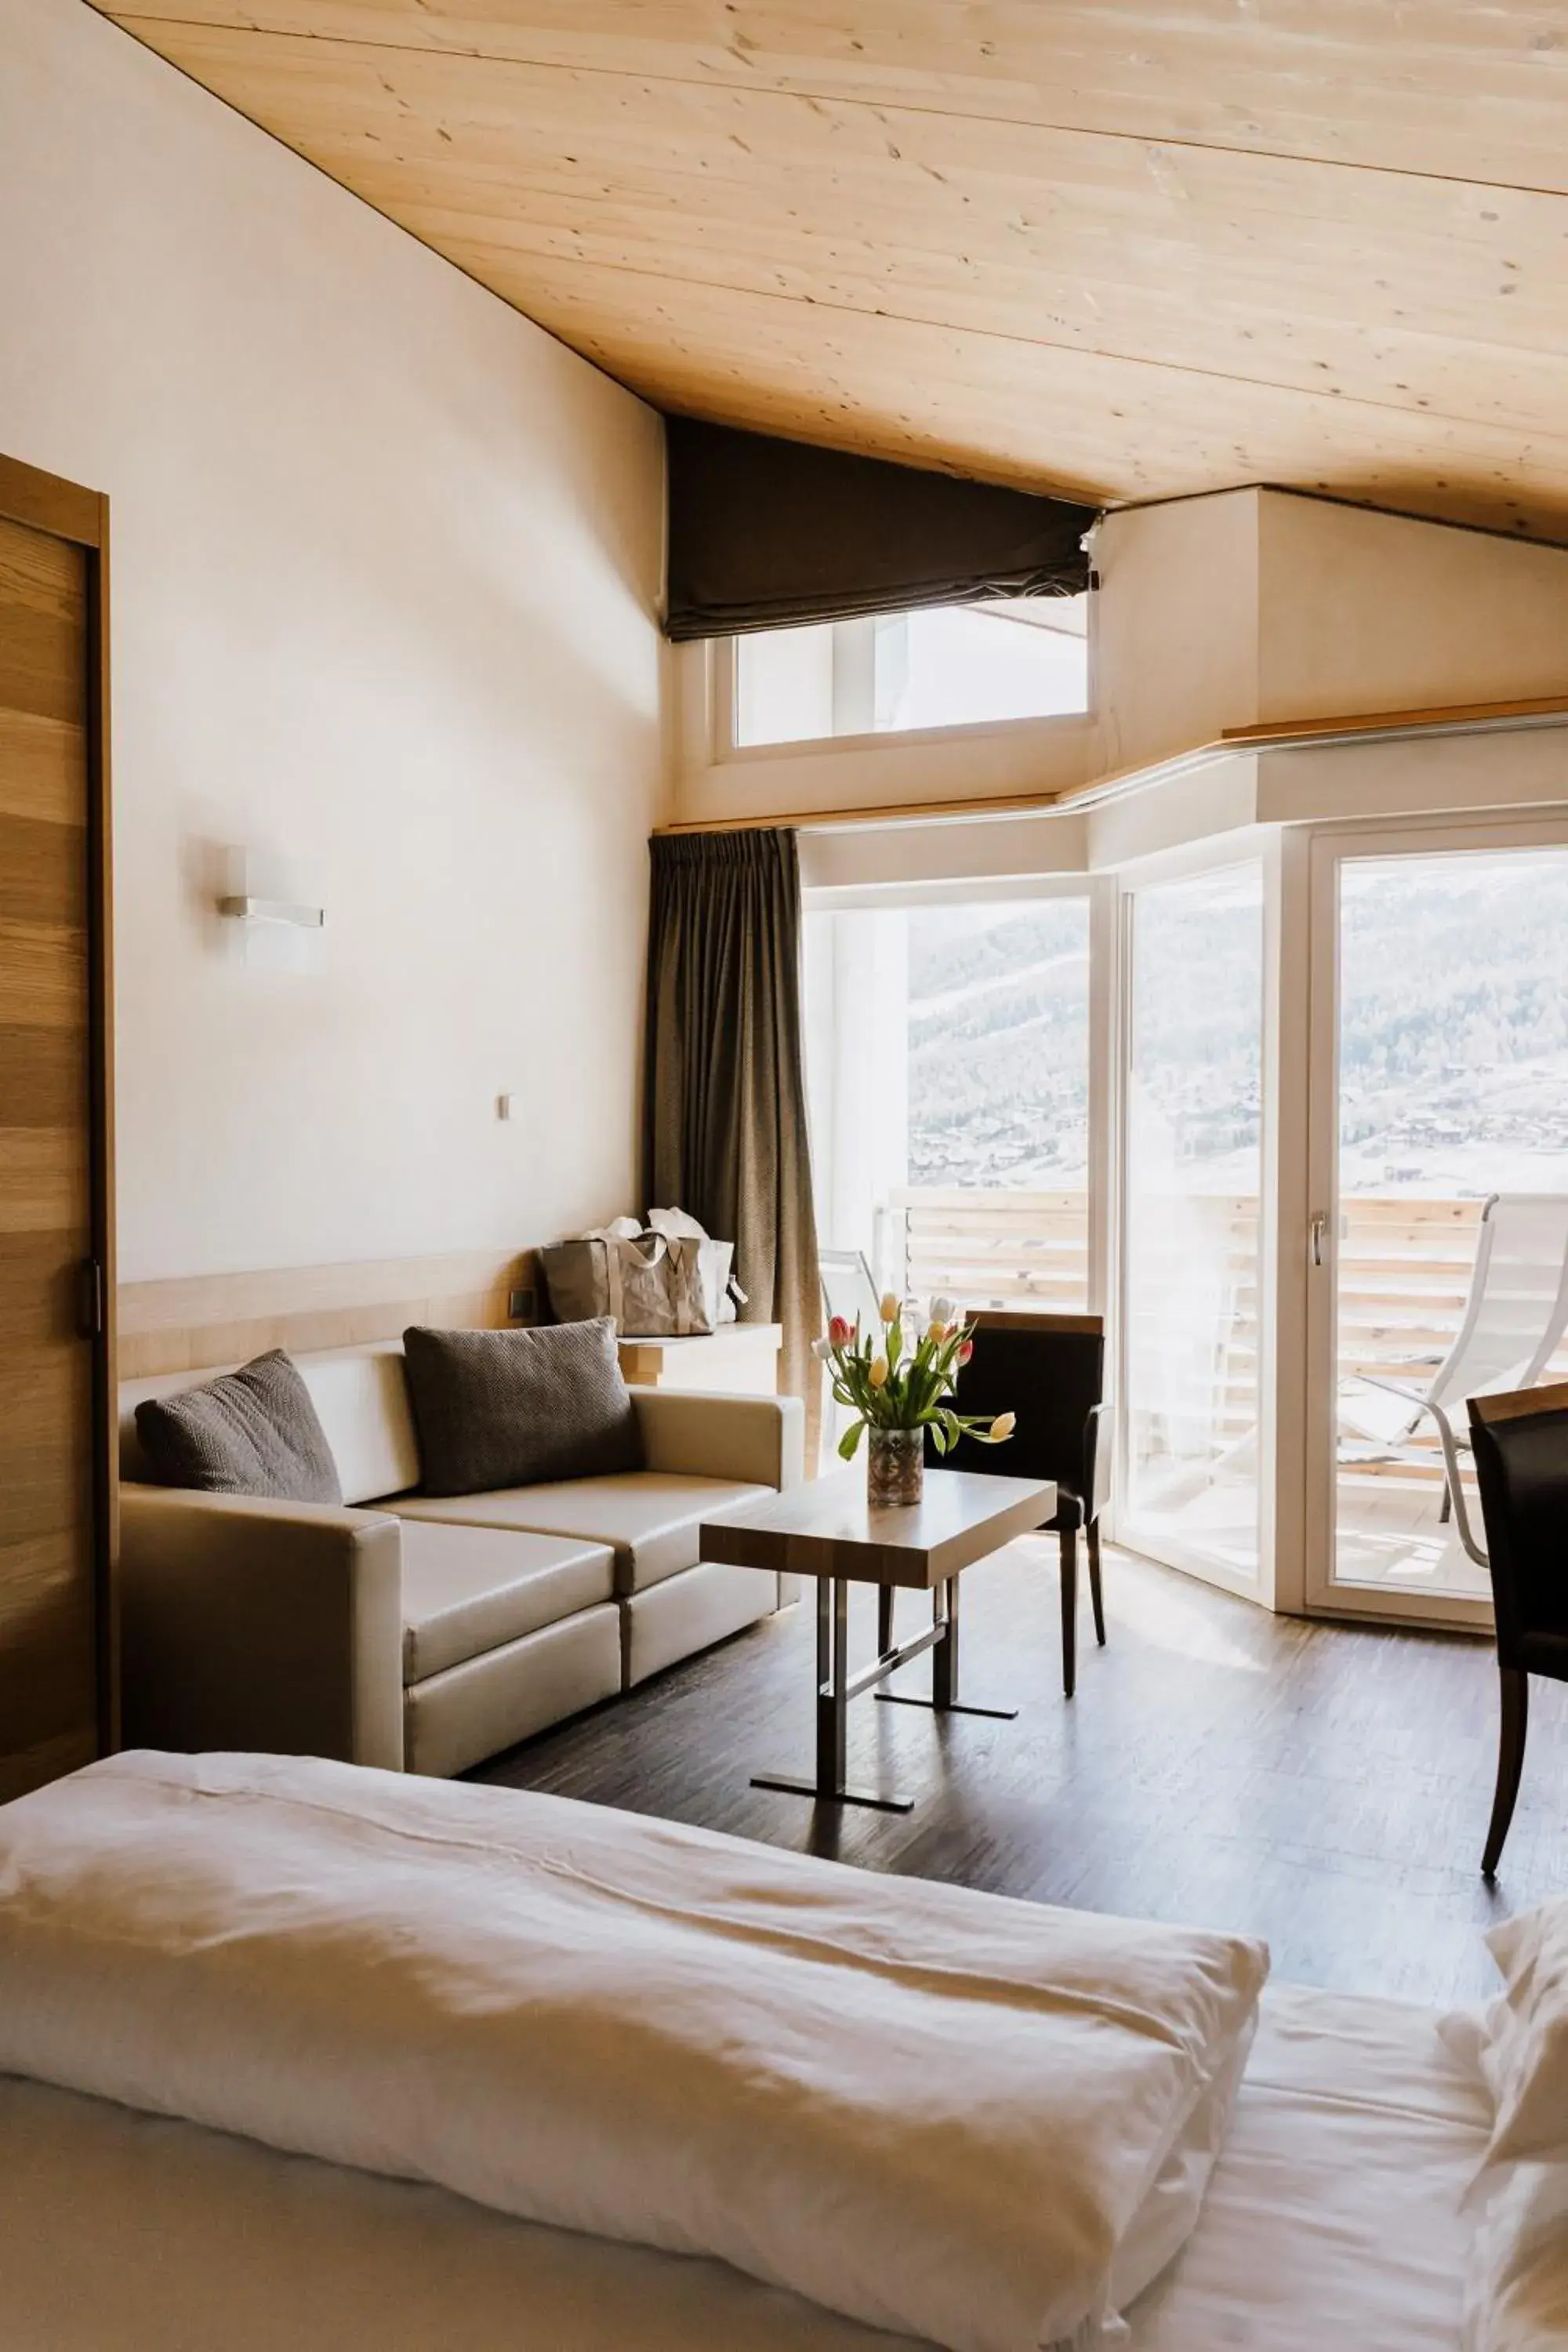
(901, 1375)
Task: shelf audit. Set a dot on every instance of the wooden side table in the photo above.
(738, 1359)
(826, 1530)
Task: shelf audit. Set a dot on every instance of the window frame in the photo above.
(1102, 897)
(725, 707)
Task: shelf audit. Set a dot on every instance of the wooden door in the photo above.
(54, 1490)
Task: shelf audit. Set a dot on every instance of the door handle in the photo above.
(89, 1299)
(1320, 1230)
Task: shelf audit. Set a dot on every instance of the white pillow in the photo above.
(1516, 2290)
(1524, 2048)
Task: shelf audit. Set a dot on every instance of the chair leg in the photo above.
(1070, 1609)
(884, 1620)
(1515, 1692)
(1446, 1508)
(1096, 1598)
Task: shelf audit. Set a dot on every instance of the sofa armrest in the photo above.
(758, 1441)
(263, 1625)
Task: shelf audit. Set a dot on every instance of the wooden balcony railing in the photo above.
(1404, 1276)
(996, 1248)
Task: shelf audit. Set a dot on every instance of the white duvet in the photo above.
(973, 2120)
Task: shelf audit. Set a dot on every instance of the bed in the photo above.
(1335, 2216)
(1331, 2220)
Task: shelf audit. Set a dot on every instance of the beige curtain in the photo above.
(725, 1084)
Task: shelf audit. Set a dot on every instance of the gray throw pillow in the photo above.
(254, 1432)
(512, 1408)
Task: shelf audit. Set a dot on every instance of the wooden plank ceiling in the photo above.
(1122, 249)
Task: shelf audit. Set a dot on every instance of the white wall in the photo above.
(1176, 656)
(1213, 612)
(1362, 612)
(1023, 756)
(1253, 605)
(385, 559)
(852, 856)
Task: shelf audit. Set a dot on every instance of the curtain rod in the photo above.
(1384, 725)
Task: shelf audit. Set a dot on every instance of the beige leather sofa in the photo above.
(422, 1632)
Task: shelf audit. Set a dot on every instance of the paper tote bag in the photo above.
(652, 1287)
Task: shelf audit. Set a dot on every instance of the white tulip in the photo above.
(943, 1310)
(822, 1350)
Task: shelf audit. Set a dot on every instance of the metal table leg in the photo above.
(833, 1691)
(945, 1699)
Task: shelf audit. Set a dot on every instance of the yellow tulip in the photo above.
(1002, 1427)
(936, 1331)
(890, 1308)
(878, 1375)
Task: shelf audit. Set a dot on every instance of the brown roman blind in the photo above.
(764, 533)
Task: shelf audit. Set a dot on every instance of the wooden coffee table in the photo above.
(826, 1530)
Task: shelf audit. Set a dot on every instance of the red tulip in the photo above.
(839, 1332)
(965, 1352)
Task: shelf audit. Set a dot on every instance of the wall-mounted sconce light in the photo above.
(265, 910)
(273, 910)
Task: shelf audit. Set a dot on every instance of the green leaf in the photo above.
(850, 1440)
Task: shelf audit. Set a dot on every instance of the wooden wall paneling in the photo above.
(189, 1323)
(57, 1482)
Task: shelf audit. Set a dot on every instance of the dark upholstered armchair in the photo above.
(1048, 1370)
(1520, 1446)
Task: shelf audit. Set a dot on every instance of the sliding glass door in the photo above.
(1192, 1169)
(1439, 1228)
(1335, 1068)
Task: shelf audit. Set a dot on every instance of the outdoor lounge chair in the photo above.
(1513, 1322)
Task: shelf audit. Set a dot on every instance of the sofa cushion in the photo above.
(253, 1432)
(487, 1703)
(467, 1589)
(361, 1398)
(650, 1518)
(685, 1614)
(505, 1408)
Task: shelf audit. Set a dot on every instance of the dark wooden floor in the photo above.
(1323, 1786)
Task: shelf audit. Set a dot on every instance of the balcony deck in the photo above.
(1404, 1276)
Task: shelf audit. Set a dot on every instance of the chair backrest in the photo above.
(1520, 1445)
(847, 1288)
(1517, 1307)
(1050, 1371)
